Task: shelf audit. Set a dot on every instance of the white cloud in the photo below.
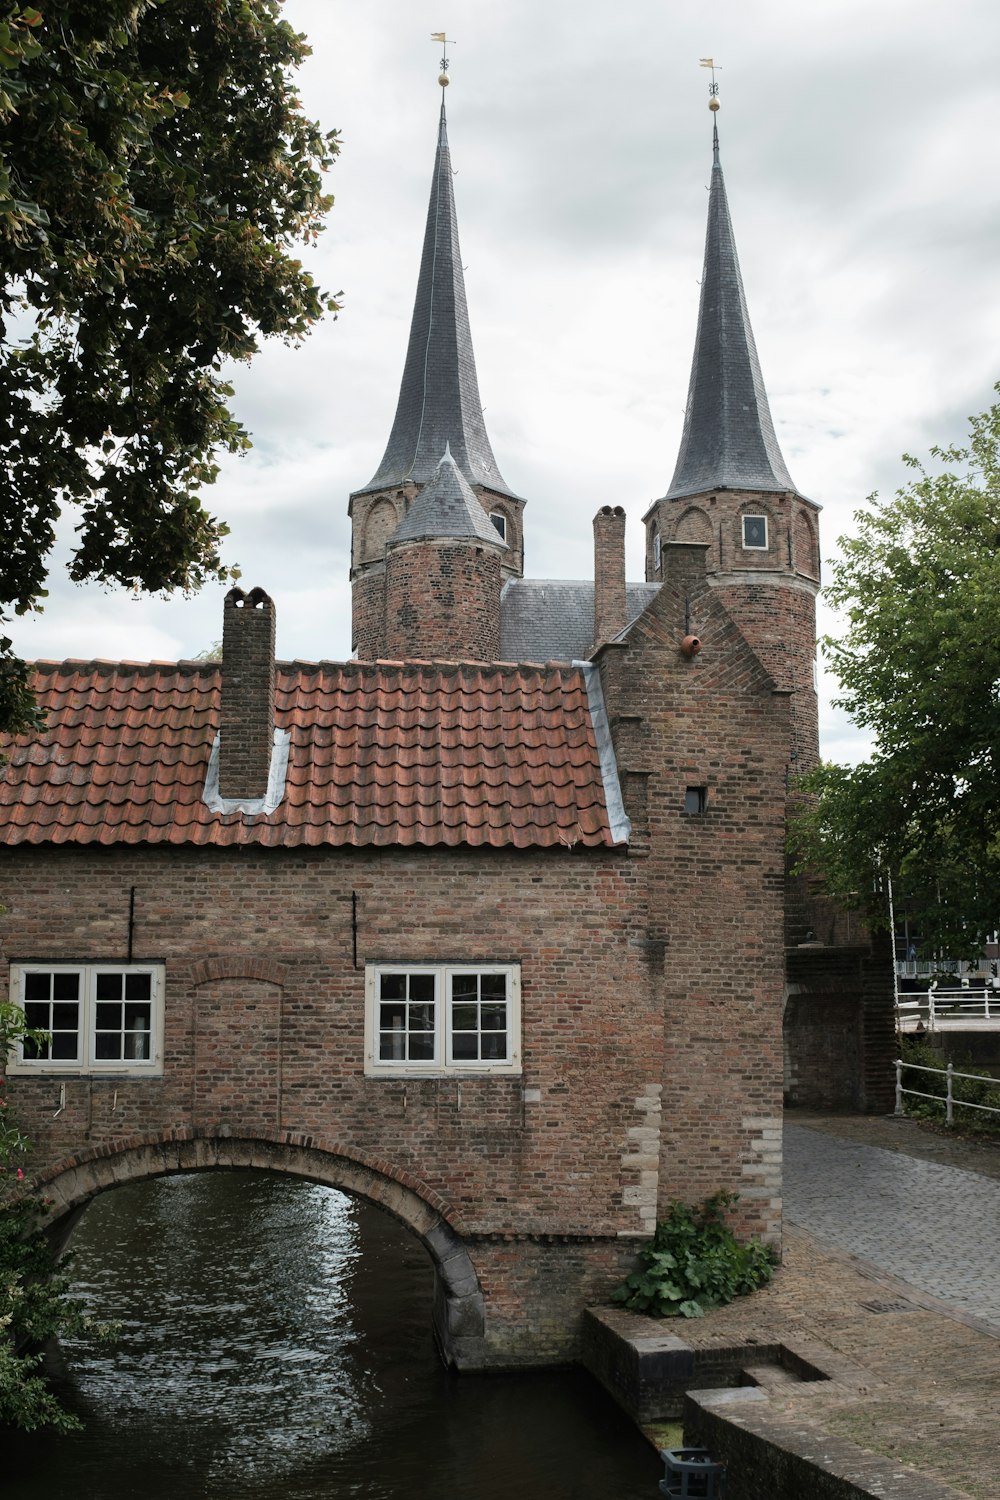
(856, 140)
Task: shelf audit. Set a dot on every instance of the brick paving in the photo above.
(934, 1225)
(885, 1201)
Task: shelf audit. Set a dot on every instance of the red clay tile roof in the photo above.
(382, 754)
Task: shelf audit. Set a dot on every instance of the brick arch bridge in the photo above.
(71, 1184)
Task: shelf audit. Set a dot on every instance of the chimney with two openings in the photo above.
(247, 709)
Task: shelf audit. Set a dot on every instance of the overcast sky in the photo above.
(859, 143)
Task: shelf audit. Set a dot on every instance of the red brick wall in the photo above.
(511, 561)
(265, 1011)
(770, 594)
(715, 883)
(609, 573)
(247, 706)
(368, 614)
(779, 623)
(442, 601)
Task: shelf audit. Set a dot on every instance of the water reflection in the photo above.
(276, 1343)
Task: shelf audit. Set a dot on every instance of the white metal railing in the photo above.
(948, 1100)
(923, 968)
(947, 1009)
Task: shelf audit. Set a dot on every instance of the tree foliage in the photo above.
(156, 171)
(919, 667)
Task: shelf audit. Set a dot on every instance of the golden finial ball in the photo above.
(713, 103)
(444, 80)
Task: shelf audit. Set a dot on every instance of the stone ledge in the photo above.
(765, 1454)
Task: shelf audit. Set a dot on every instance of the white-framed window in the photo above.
(101, 1018)
(442, 1018)
(755, 533)
(657, 552)
(500, 523)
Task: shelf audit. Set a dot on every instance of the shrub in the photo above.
(694, 1262)
(35, 1305)
(980, 1087)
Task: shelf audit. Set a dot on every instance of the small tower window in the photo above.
(695, 801)
(657, 552)
(500, 522)
(755, 533)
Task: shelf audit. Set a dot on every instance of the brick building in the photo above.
(490, 924)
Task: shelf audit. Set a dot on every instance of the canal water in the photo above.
(275, 1344)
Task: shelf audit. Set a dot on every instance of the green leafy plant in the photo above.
(918, 665)
(979, 1087)
(694, 1262)
(35, 1303)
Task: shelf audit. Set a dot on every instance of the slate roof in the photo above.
(447, 506)
(552, 619)
(380, 754)
(439, 399)
(728, 442)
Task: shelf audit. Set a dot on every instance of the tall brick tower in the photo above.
(732, 490)
(439, 409)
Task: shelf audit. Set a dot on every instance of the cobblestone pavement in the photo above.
(934, 1225)
(929, 1395)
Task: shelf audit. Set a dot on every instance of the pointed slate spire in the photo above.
(447, 507)
(728, 442)
(439, 395)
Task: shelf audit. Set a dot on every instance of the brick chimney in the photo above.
(610, 616)
(247, 710)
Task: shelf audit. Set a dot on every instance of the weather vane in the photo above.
(713, 87)
(439, 36)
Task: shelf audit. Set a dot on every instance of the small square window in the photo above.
(500, 522)
(695, 801)
(755, 533)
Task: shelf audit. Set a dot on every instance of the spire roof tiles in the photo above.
(728, 442)
(439, 399)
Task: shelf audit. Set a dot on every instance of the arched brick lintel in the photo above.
(263, 970)
(459, 1316)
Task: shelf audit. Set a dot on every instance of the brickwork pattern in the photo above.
(511, 507)
(715, 882)
(368, 614)
(442, 602)
(540, 1153)
(839, 1028)
(247, 708)
(610, 616)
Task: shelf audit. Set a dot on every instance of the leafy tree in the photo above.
(919, 666)
(155, 172)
